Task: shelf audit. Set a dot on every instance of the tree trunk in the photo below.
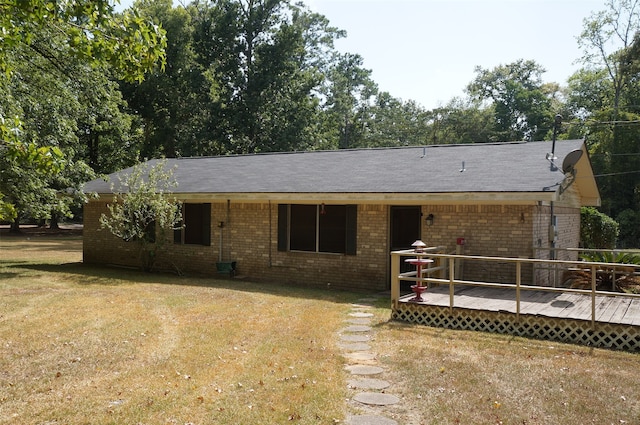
(54, 223)
(15, 226)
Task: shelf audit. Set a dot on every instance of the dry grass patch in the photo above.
(461, 377)
(84, 345)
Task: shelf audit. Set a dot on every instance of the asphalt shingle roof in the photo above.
(491, 167)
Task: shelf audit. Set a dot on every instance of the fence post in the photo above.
(593, 296)
(395, 280)
(518, 282)
(452, 277)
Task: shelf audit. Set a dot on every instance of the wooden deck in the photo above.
(584, 317)
(613, 310)
(553, 316)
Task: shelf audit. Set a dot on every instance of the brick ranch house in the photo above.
(331, 218)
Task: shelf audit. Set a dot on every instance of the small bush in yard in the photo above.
(143, 210)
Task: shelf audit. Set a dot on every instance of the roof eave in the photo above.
(512, 198)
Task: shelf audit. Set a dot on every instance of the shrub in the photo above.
(597, 230)
(608, 278)
(143, 210)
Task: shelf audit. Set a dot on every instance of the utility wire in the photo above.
(616, 122)
(616, 174)
(594, 122)
(614, 154)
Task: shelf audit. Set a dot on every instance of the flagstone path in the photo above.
(369, 389)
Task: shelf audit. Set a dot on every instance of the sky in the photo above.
(427, 50)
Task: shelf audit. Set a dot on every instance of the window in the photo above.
(150, 232)
(302, 224)
(196, 220)
(317, 228)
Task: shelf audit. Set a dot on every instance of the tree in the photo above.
(614, 27)
(349, 95)
(393, 122)
(520, 101)
(83, 118)
(91, 29)
(461, 121)
(51, 33)
(629, 236)
(265, 61)
(143, 210)
(23, 168)
(173, 105)
(606, 92)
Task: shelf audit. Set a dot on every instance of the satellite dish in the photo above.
(571, 160)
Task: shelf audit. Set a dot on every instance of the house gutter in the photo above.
(378, 198)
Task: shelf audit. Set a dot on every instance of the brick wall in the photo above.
(249, 237)
(568, 236)
(488, 230)
(100, 246)
(367, 270)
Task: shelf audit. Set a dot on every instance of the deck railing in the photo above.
(554, 271)
(446, 271)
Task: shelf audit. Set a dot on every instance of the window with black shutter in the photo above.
(196, 225)
(317, 228)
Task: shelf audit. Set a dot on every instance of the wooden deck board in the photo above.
(535, 302)
(632, 315)
(562, 306)
(490, 299)
(619, 310)
(607, 309)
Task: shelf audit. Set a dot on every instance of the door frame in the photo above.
(416, 231)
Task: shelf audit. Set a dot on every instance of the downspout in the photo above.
(270, 236)
(228, 225)
(221, 226)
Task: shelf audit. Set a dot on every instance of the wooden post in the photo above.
(441, 271)
(518, 282)
(459, 262)
(593, 296)
(395, 280)
(452, 277)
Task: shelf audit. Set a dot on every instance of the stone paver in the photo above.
(357, 328)
(360, 314)
(363, 363)
(376, 399)
(368, 300)
(354, 346)
(358, 369)
(359, 321)
(361, 356)
(354, 338)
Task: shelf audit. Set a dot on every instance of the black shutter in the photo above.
(206, 224)
(351, 229)
(283, 221)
